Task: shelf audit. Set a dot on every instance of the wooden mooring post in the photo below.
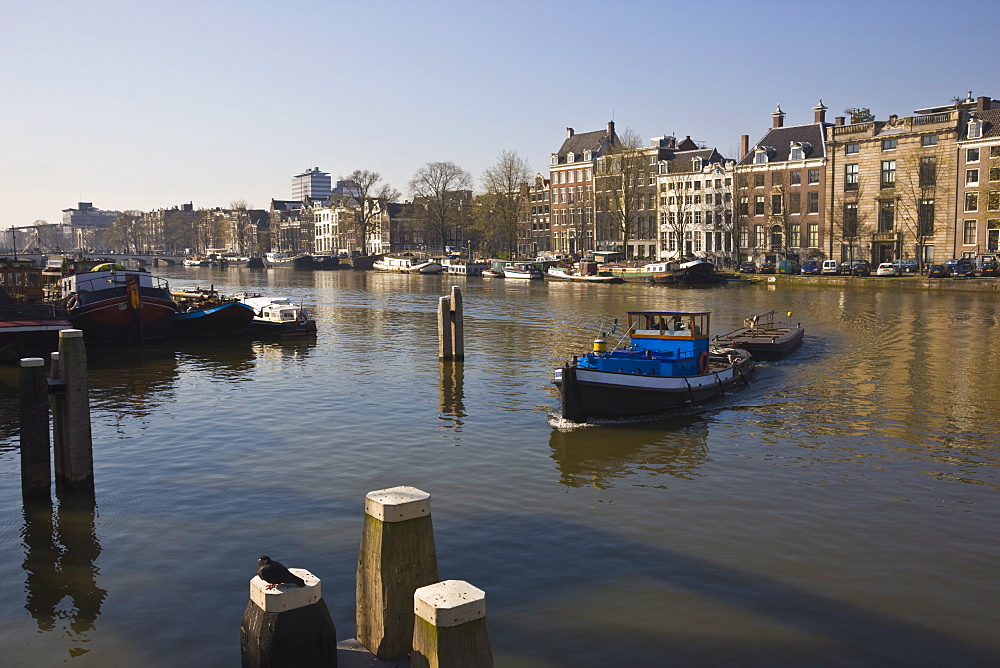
(396, 558)
(451, 330)
(33, 409)
(288, 625)
(72, 441)
(450, 627)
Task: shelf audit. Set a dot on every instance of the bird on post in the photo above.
(274, 573)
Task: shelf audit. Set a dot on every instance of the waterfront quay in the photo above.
(840, 509)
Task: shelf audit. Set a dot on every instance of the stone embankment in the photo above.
(977, 284)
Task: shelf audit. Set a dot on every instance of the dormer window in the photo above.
(554, 160)
(975, 129)
(570, 157)
(796, 152)
(760, 156)
(587, 155)
(696, 164)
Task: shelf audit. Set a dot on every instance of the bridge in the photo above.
(130, 260)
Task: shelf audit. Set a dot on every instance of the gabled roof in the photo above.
(781, 139)
(681, 161)
(991, 124)
(585, 141)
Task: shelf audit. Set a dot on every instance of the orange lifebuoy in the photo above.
(703, 363)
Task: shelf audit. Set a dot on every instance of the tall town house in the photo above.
(781, 191)
(571, 174)
(979, 180)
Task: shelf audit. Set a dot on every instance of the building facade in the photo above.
(311, 183)
(978, 200)
(534, 233)
(571, 197)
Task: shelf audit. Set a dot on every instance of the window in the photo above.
(972, 201)
(928, 171)
(760, 157)
(851, 177)
(852, 148)
(794, 205)
(776, 205)
(795, 153)
(929, 140)
(794, 178)
(813, 235)
(812, 202)
(886, 215)
(969, 233)
(888, 144)
(994, 173)
(972, 177)
(758, 180)
(925, 218)
(744, 206)
(813, 176)
(758, 205)
(995, 151)
(759, 236)
(697, 185)
(850, 230)
(972, 155)
(993, 200)
(975, 129)
(794, 236)
(696, 164)
(888, 173)
(777, 178)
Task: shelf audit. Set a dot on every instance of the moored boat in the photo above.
(407, 264)
(28, 327)
(112, 304)
(206, 313)
(764, 338)
(279, 317)
(526, 270)
(565, 274)
(662, 361)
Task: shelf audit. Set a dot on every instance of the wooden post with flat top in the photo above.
(445, 351)
(287, 625)
(74, 455)
(450, 627)
(33, 409)
(396, 558)
(457, 327)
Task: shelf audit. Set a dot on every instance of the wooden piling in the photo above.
(287, 626)
(450, 627)
(397, 557)
(74, 457)
(457, 327)
(33, 409)
(445, 351)
(57, 403)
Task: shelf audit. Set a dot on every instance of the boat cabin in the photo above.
(21, 280)
(663, 343)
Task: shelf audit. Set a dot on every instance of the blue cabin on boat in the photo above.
(661, 343)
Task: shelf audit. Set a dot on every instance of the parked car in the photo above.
(748, 268)
(964, 268)
(766, 268)
(810, 267)
(990, 268)
(907, 266)
(887, 269)
(949, 265)
(788, 267)
(830, 267)
(937, 271)
(860, 268)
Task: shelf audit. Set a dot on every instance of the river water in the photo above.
(843, 509)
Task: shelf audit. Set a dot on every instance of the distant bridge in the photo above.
(130, 260)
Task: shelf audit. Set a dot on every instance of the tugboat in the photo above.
(112, 304)
(662, 361)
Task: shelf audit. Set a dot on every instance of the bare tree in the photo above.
(127, 231)
(503, 203)
(920, 192)
(370, 199)
(849, 216)
(240, 227)
(438, 186)
(620, 184)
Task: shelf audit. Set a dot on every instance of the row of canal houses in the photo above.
(924, 186)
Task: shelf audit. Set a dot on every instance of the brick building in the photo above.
(978, 201)
(571, 175)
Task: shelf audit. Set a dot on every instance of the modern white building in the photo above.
(311, 183)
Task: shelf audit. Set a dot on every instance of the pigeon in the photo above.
(274, 574)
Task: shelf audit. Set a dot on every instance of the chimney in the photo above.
(569, 132)
(779, 118)
(839, 120)
(983, 103)
(611, 128)
(744, 146)
(820, 113)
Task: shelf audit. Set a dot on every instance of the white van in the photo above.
(830, 267)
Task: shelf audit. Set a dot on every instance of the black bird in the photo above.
(274, 574)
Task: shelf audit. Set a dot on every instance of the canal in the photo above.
(843, 509)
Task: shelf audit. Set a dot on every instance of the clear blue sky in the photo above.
(145, 104)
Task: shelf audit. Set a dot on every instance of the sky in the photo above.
(149, 104)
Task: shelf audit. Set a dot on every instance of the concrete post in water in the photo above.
(397, 557)
(75, 463)
(33, 409)
(457, 327)
(450, 627)
(444, 330)
(287, 625)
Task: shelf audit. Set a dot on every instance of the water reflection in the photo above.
(599, 456)
(60, 550)
(451, 400)
(131, 379)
